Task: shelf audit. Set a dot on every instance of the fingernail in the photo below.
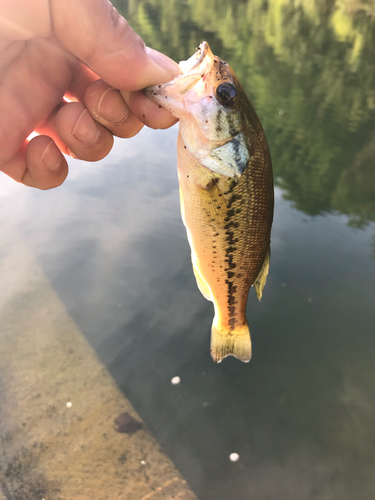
(51, 157)
(85, 129)
(112, 107)
(164, 61)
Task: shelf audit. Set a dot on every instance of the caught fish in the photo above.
(226, 191)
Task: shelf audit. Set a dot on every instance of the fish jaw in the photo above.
(189, 93)
(202, 56)
(193, 70)
(171, 95)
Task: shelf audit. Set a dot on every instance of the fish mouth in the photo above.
(194, 68)
(171, 95)
(196, 59)
(176, 88)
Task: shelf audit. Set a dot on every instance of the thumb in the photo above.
(95, 32)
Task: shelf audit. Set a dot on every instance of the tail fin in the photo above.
(225, 342)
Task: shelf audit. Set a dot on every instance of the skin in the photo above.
(83, 51)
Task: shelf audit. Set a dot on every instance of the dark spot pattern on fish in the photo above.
(219, 128)
(232, 185)
(230, 214)
(240, 159)
(231, 300)
(231, 264)
(232, 122)
(232, 223)
(211, 184)
(231, 249)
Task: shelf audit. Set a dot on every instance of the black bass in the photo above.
(226, 191)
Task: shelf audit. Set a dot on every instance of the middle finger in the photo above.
(107, 107)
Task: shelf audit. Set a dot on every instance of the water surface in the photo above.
(301, 413)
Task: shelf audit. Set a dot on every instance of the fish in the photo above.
(226, 191)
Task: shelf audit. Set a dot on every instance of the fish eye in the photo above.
(226, 94)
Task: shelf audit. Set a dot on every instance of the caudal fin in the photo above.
(225, 342)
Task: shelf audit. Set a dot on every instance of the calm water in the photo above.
(301, 414)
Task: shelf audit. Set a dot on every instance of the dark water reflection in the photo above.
(301, 414)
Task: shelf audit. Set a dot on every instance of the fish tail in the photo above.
(226, 342)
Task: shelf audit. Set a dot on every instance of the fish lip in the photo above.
(180, 85)
(203, 48)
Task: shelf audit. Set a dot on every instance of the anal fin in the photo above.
(201, 282)
(203, 286)
(262, 276)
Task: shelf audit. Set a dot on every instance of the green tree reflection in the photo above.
(308, 67)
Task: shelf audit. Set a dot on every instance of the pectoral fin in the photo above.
(262, 276)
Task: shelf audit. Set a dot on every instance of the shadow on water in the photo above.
(301, 413)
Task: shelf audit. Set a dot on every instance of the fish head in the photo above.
(208, 100)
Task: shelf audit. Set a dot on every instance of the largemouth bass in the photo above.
(226, 191)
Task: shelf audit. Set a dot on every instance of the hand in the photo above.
(51, 49)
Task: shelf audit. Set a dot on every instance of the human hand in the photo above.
(51, 49)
